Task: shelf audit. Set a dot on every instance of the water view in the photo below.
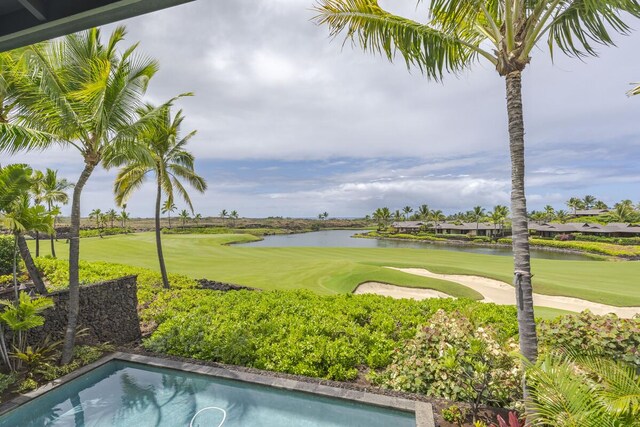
(344, 239)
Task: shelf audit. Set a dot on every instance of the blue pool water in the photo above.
(128, 394)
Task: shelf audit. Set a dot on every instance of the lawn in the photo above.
(339, 270)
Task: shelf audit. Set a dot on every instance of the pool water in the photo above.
(129, 394)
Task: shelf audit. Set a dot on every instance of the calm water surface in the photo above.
(343, 239)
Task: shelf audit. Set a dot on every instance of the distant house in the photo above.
(590, 212)
(614, 229)
(470, 228)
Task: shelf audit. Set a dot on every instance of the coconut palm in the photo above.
(21, 217)
(575, 203)
(423, 212)
(549, 212)
(397, 215)
(498, 215)
(588, 201)
(382, 215)
(224, 214)
(406, 211)
(505, 34)
(167, 159)
(96, 215)
(197, 218)
(84, 92)
(599, 204)
(622, 213)
(167, 208)
(111, 215)
(436, 216)
(635, 90)
(124, 216)
(478, 215)
(184, 217)
(561, 216)
(52, 190)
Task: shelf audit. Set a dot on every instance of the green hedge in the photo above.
(95, 232)
(6, 255)
(300, 332)
(614, 240)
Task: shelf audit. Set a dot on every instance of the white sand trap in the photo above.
(499, 293)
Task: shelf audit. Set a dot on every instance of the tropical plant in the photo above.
(124, 217)
(96, 215)
(478, 215)
(504, 33)
(197, 218)
(561, 216)
(382, 216)
(52, 190)
(111, 215)
(168, 207)
(436, 216)
(165, 157)
(224, 214)
(549, 212)
(599, 204)
(499, 215)
(583, 391)
(407, 211)
(184, 217)
(635, 90)
(588, 201)
(83, 93)
(575, 203)
(423, 212)
(397, 215)
(17, 214)
(20, 318)
(622, 212)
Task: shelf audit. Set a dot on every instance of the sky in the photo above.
(294, 123)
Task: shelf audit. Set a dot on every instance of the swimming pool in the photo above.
(126, 393)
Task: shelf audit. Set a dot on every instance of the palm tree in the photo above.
(574, 204)
(96, 214)
(124, 216)
(436, 216)
(184, 216)
(407, 210)
(15, 184)
(456, 36)
(588, 201)
(622, 213)
(478, 215)
(423, 212)
(197, 218)
(561, 216)
(498, 215)
(599, 204)
(549, 212)
(224, 214)
(382, 215)
(168, 160)
(167, 208)
(83, 92)
(397, 215)
(635, 90)
(111, 215)
(52, 190)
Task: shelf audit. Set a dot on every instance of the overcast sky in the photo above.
(290, 123)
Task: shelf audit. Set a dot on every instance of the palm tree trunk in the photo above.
(37, 244)
(53, 246)
(163, 268)
(15, 267)
(74, 268)
(31, 267)
(520, 228)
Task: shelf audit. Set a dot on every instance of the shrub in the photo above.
(6, 255)
(586, 333)
(298, 332)
(564, 237)
(94, 232)
(452, 359)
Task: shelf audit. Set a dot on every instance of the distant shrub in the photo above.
(6, 255)
(614, 240)
(94, 232)
(592, 247)
(589, 334)
(564, 237)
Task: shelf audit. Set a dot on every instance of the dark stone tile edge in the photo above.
(422, 410)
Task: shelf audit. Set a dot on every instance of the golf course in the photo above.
(328, 270)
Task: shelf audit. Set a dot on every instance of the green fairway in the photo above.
(336, 270)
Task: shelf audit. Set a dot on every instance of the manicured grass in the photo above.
(339, 270)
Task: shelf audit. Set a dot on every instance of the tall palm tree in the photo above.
(562, 216)
(407, 210)
(588, 201)
(111, 215)
(635, 90)
(197, 218)
(168, 160)
(169, 207)
(124, 216)
(498, 215)
(397, 215)
(96, 214)
(478, 215)
(53, 190)
(574, 204)
(423, 211)
(184, 216)
(550, 212)
(599, 204)
(84, 92)
(622, 213)
(505, 34)
(436, 216)
(382, 215)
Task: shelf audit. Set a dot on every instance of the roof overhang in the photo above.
(24, 22)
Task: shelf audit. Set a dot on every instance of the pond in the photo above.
(343, 239)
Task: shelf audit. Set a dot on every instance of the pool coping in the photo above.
(422, 410)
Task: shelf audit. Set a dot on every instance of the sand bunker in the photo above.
(492, 291)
